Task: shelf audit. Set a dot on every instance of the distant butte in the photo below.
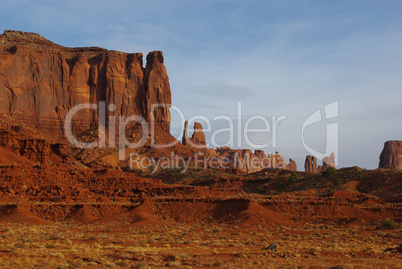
(391, 155)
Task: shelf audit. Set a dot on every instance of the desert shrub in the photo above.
(388, 224)
(141, 264)
(330, 171)
(261, 189)
(77, 263)
(293, 177)
(174, 264)
(315, 250)
(122, 263)
(338, 182)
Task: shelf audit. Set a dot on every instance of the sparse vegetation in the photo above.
(293, 177)
(389, 224)
(27, 246)
(329, 172)
(338, 182)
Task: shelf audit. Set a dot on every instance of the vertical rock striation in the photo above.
(41, 81)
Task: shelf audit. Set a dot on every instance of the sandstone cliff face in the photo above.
(41, 81)
(391, 155)
(22, 140)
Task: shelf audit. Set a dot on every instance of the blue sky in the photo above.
(279, 58)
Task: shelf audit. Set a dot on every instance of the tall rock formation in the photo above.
(41, 81)
(280, 162)
(198, 136)
(310, 164)
(185, 134)
(197, 140)
(391, 155)
(292, 165)
(328, 162)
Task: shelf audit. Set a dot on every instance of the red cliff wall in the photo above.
(41, 81)
(391, 155)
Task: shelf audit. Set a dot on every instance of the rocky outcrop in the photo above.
(292, 165)
(185, 134)
(391, 155)
(197, 140)
(310, 164)
(328, 162)
(35, 149)
(279, 161)
(265, 161)
(244, 161)
(40, 82)
(198, 136)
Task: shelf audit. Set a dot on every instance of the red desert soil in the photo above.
(136, 215)
(102, 218)
(21, 214)
(257, 214)
(82, 215)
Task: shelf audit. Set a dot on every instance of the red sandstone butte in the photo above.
(391, 155)
(41, 81)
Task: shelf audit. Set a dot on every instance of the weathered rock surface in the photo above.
(310, 164)
(198, 136)
(280, 162)
(391, 155)
(185, 134)
(328, 162)
(197, 140)
(244, 161)
(292, 165)
(41, 81)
